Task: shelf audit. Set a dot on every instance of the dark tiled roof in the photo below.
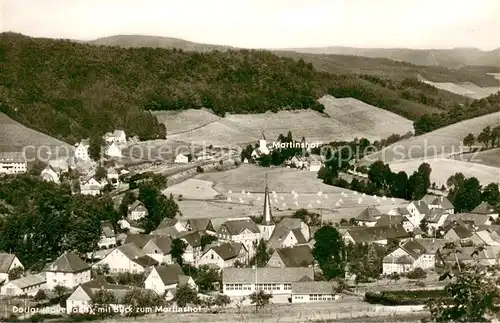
(132, 252)
(435, 215)
(370, 214)
(193, 239)
(139, 239)
(163, 244)
(314, 287)
(135, 205)
(6, 260)
(370, 234)
(386, 220)
(68, 263)
(483, 208)
(199, 224)
(421, 206)
(462, 232)
(228, 250)
(290, 223)
(477, 219)
(296, 256)
(169, 274)
(299, 236)
(107, 229)
(235, 227)
(267, 275)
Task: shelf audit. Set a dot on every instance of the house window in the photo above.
(212, 256)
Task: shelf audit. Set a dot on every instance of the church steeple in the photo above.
(267, 216)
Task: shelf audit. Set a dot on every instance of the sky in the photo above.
(266, 23)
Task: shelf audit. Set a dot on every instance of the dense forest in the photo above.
(71, 90)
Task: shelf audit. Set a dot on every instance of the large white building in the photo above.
(68, 270)
(241, 282)
(224, 255)
(28, 285)
(315, 291)
(12, 163)
(242, 230)
(163, 278)
(128, 258)
(262, 150)
(82, 150)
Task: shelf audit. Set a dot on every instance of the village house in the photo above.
(13, 163)
(474, 219)
(28, 285)
(315, 165)
(414, 253)
(488, 256)
(485, 238)
(159, 248)
(389, 220)
(83, 297)
(108, 236)
(193, 250)
(242, 230)
(485, 208)
(171, 227)
(284, 237)
(127, 258)
(48, 174)
(241, 282)
(117, 136)
(435, 219)
(82, 150)
(203, 225)
(167, 278)
(181, 159)
(8, 262)
(113, 150)
(315, 291)
(296, 256)
(68, 270)
(417, 210)
(458, 233)
(113, 177)
(137, 211)
(438, 202)
(368, 217)
(403, 211)
(90, 186)
(224, 255)
(377, 235)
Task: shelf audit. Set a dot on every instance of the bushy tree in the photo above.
(469, 140)
(184, 295)
(329, 252)
(261, 254)
(260, 299)
(177, 250)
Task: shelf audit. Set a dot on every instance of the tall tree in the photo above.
(329, 252)
(468, 195)
(491, 194)
(495, 136)
(96, 145)
(261, 254)
(469, 140)
(178, 248)
(485, 136)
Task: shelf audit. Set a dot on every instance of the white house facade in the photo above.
(68, 270)
(13, 163)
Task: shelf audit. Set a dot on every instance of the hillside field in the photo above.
(443, 168)
(16, 137)
(345, 119)
(467, 89)
(441, 142)
(489, 157)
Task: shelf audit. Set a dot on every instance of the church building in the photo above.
(267, 226)
(263, 148)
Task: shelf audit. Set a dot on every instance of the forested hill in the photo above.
(71, 90)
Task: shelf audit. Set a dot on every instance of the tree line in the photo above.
(72, 90)
(489, 138)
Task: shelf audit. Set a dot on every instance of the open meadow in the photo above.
(344, 119)
(441, 143)
(443, 168)
(490, 157)
(466, 89)
(242, 194)
(16, 137)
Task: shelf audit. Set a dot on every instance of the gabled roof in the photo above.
(299, 236)
(169, 274)
(107, 229)
(139, 239)
(371, 234)
(6, 260)
(370, 214)
(68, 263)
(296, 256)
(202, 224)
(435, 215)
(486, 237)
(475, 218)
(132, 252)
(421, 206)
(461, 232)
(30, 280)
(441, 201)
(93, 287)
(484, 208)
(235, 227)
(193, 239)
(163, 244)
(403, 211)
(314, 287)
(118, 133)
(290, 223)
(228, 250)
(267, 275)
(135, 205)
(386, 220)
(85, 142)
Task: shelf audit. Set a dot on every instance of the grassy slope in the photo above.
(446, 140)
(15, 137)
(489, 157)
(349, 60)
(347, 118)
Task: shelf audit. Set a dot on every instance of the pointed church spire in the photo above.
(263, 137)
(268, 218)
